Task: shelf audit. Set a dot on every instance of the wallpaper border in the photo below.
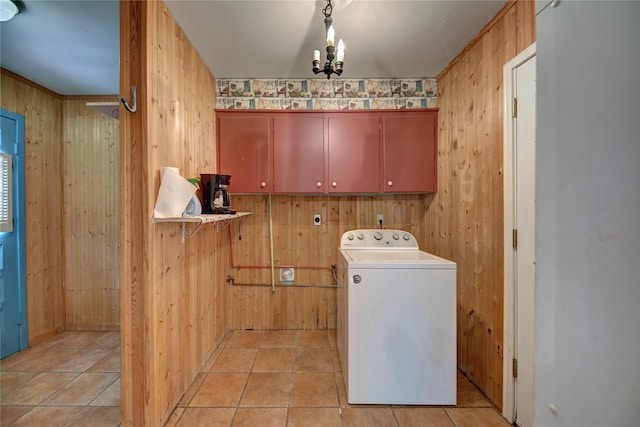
(323, 94)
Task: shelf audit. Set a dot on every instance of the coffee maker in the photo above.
(215, 194)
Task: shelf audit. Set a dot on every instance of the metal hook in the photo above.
(133, 108)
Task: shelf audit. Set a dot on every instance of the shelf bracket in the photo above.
(192, 225)
(191, 229)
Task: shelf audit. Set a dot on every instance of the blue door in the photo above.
(13, 287)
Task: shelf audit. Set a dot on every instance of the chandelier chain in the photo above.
(328, 9)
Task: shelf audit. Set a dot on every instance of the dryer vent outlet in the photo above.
(287, 275)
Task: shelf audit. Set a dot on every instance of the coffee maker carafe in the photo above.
(215, 194)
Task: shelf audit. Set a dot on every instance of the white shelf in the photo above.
(111, 109)
(196, 222)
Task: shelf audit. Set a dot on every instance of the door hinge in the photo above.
(514, 107)
(514, 368)
(514, 238)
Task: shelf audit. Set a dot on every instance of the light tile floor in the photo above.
(72, 379)
(254, 378)
(293, 378)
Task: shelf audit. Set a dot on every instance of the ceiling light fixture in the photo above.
(9, 9)
(331, 49)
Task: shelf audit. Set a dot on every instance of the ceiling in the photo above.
(72, 47)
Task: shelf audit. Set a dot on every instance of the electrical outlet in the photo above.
(379, 219)
(317, 219)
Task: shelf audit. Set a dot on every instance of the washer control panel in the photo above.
(377, 238)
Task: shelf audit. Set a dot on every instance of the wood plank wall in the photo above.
(465, 219)
(133, 220)
(91, 219)
(311, 302)
(43, 113)
(172, 300)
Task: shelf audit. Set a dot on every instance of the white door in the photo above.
(519, 196)
(524, 253)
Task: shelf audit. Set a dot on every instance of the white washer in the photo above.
(396, 320)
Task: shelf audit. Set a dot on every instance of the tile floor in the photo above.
(72, 379)
(293, 378)
(254, 378)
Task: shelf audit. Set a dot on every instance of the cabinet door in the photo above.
(354, 154)
(410, 150)
(298, 154)
(243, 151)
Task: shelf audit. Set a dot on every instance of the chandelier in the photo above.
(329, 66)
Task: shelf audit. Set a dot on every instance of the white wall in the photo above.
(587, 357)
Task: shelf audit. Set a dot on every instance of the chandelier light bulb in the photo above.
(340, 57)
(331, 34)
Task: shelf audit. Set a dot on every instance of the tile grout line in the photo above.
(214, 354)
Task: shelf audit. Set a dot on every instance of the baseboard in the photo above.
(37, 339)
(108, 327)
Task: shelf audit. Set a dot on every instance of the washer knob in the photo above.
(350, 236)
(396, 236)
(377, 235)
(360, 236)
(406, 237)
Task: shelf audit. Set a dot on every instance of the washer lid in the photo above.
(398, 258)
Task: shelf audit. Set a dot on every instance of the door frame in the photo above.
(20, 223)
(508, 389)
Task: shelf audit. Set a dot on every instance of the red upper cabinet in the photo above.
(299, 153)
(354, 153)
(410, 152)
(244, 151)
(310, 152)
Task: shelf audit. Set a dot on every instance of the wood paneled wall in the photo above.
(465, 219)
(91, 219)
(43, 113)
(172, 300)
(311, 302)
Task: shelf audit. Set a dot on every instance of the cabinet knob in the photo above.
(390, 183)
(334, 184)
(263, 184)
(318, 184)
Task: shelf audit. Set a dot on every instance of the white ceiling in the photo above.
(72, 47)
(69, 47)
